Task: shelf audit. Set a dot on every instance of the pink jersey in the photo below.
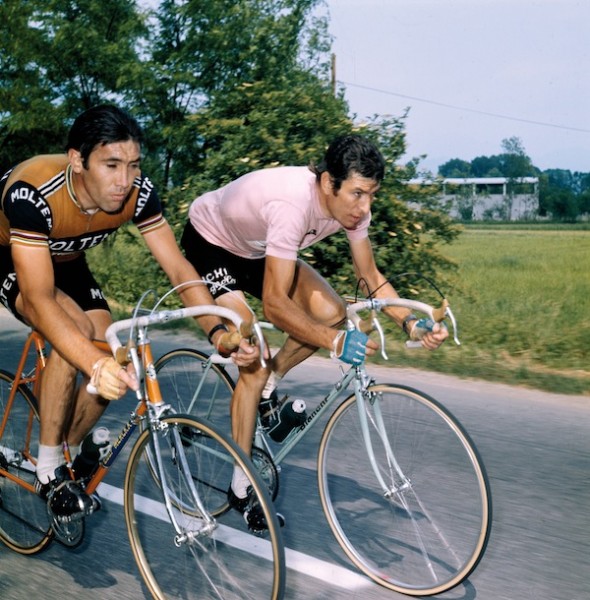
(273, 212)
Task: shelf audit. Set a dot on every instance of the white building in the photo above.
(489, 198)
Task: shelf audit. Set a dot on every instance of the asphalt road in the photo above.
(535, 446)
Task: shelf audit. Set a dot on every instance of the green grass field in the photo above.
(522, 299)
(523, 304)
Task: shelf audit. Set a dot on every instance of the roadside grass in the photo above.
(522, 301)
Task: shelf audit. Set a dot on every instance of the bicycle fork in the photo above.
(367, 400)
(207, 523)
(400, 483)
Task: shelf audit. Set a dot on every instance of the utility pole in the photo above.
(333, 74)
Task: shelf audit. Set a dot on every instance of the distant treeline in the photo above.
(563, 195)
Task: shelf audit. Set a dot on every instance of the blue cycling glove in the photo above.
(353, 347)
(420, 328)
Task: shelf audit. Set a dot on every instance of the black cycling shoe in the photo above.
(66, 500)
(251, 510)
(268, 409)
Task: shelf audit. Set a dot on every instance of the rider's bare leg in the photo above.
(244, 405)
(58, 379)
(244, 402)
(245, 399)
(56, 399)
(88, 407)
(319, 300)
(57, 393)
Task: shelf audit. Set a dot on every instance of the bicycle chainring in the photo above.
(267, 470)
(68, 533)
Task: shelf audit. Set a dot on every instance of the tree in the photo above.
(455, 167)
(557, 200)
(28, 119)
(516, 162)
(487, 166)
(204, 49)
(221, 88)
(57, 58)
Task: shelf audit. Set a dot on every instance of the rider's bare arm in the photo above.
(285, 313)
(38, 303)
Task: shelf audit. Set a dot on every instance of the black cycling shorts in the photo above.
(73, 277)
(220, 269)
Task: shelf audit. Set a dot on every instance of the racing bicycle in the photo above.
(401, 483)
(177, 470)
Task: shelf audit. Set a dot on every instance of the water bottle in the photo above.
(94, 447)
(291, 415)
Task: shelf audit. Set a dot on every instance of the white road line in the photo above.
(298, 561)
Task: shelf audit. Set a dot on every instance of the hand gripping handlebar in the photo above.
(231, 340)
(437, 314)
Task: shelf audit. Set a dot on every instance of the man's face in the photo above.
(352, 202)
(107, 179)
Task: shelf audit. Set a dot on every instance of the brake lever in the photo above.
(379, 329)
(449, 313)
(262, 345)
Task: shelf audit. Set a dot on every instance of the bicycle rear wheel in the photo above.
(24, 521)
(203, 557)
(425, 527)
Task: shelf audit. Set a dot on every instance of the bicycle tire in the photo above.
(419, 540)
(192, 385)
(25, 525)
(224, 563)
(196, 387)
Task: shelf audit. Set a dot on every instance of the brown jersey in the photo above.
(37, 209)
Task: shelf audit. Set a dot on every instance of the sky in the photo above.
(472, 73)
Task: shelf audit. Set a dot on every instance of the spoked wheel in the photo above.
(421, 525)
(185, 551)
(194, 386)
(24, 521)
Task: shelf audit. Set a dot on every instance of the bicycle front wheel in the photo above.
(182, 551)
(24, 521)
(193, 385)
(415, 518)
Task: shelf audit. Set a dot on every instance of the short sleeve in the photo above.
(28, 213)
(148, 209)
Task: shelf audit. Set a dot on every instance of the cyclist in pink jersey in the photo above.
(246, 237)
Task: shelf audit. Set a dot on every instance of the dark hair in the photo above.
(100, 125)
(351, 153)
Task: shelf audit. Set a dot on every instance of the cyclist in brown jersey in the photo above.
(53, 208)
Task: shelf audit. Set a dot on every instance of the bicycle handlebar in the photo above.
(437, 314)
(231, 341)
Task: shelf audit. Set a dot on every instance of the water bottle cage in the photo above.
(288, 419)
(273, 408)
